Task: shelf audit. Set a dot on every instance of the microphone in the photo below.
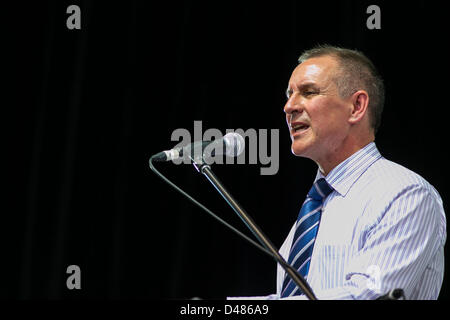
(232, 145)
(394, 294)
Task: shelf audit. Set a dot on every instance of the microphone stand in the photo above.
(205, 169)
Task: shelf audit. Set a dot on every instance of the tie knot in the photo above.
(320, 190)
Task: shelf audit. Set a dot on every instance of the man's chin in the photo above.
(299, 152)
(302, 149)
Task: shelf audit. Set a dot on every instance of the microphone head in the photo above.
(234, 144)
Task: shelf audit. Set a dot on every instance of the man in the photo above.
(368, 225)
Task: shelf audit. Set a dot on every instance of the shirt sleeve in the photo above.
(396, 250)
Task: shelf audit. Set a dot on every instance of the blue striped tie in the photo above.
(305, 234)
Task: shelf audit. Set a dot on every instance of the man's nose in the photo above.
(292, 105)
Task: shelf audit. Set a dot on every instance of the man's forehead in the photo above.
(314, 69)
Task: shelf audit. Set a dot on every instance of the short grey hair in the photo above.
(356, 72)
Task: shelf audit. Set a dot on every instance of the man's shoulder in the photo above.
(387, 182)
(391, 182)
(391, 175)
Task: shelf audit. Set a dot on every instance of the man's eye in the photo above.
(308, 93)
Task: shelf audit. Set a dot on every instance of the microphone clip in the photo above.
(199, 163)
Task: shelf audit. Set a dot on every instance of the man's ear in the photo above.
(360, 104)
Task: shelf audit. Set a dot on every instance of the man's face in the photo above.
(315, 113)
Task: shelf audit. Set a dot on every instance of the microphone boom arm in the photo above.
(261, 237)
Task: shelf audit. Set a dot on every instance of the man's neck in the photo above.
(328, 164)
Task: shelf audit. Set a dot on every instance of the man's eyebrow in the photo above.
(303, 86)
(307, 85)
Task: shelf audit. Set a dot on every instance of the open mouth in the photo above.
(299, 127)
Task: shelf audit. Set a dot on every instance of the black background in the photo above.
(85, 109)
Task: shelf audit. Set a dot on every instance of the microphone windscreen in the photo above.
(234, 144)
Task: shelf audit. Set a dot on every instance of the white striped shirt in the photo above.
(383, 227)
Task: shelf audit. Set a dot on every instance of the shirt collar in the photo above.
(345, 174)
